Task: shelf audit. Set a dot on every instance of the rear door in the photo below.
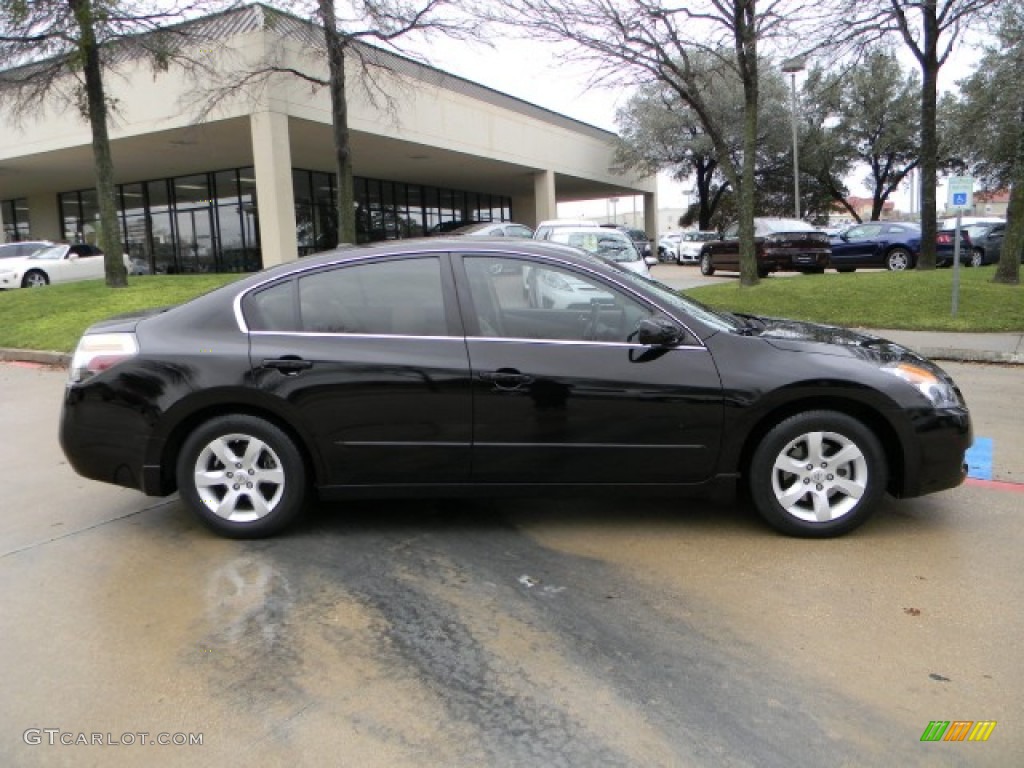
(370, 359)
(562, 395)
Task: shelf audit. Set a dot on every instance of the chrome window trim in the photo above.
(484, 250)
(464, 339)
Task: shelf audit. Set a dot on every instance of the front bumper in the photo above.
(935, 459)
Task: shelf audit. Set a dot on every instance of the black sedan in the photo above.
(987, 243)
(781, 245)
(418, 368)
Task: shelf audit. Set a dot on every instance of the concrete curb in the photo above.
(59, 359)
(971, 356)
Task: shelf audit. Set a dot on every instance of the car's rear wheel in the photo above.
(977, 257)
(34, 279)
(706, 267)
(898, 259)
(243, 476)
(818, 474)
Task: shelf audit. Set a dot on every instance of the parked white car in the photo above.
(548, 227)
(688, 250)
(61, 263)
(610, 244)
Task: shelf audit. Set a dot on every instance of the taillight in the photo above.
(100, 351)
(944, 238)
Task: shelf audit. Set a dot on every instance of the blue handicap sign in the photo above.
(959, 198)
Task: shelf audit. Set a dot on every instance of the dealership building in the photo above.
(251, 183)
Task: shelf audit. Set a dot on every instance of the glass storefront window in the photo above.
(16, 220)
(191, 191)
(208, 222)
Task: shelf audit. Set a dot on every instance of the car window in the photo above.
(896, 229)
(496, 232)
(517, 231)
(54, 253)
(864, 232)
(548, 302)
(400, 298)
(732, 230)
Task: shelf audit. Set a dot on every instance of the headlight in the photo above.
(938, 392)
(99, 351)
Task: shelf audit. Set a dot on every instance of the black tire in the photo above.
(814, 271)
(762, 272)
(846, 270)
(35, 278)
(706, 267)
(248, 509)
(824, 500)
(977, 258)
(898, 260)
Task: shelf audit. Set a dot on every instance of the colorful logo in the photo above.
(958, 730)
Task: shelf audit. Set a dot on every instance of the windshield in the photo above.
(772, 226)
(721, 321)
(609, 244)
(54, 253)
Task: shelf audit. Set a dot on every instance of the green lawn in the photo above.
(52, 318)
(912, 300)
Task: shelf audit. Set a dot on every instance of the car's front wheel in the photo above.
(818, 474)
(898, 259)
(243, 476)
(977, 257)
(706, 267)
(34, 279)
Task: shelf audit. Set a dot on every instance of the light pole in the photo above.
(791, 67)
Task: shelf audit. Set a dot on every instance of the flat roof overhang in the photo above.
(227, 144)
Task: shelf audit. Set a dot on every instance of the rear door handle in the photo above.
(506, 378)
(289, 366)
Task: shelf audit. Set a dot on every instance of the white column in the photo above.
(545, 203)
(272, 160)
(651, 217)
(44, 217)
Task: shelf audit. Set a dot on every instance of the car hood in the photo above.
(801, 336)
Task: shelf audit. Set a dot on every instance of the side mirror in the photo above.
(658, 333)
(650, 261)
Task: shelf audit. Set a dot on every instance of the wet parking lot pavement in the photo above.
(499, 633)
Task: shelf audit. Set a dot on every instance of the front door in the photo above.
(562, 395)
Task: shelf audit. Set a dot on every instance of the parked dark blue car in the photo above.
(892, 245)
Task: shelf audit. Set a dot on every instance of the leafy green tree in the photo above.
(868, 114)
(929, 29)
(987, 128)
(55, 54)
(638, 42)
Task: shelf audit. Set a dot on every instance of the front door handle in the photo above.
(505, 378)
(288, 365)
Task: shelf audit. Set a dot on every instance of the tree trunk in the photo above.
(110, 230)
(746, 37)
(929, 136)
(346, 210)
(1008, 269)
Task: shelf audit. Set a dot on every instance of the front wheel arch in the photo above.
(863, 412)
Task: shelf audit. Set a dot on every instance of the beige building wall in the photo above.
(418, 126)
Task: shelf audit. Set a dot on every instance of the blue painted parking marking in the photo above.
(979, 459)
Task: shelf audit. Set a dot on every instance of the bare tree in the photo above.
(59, 51)
(930, 29)
(356, 39)
(682, 47)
